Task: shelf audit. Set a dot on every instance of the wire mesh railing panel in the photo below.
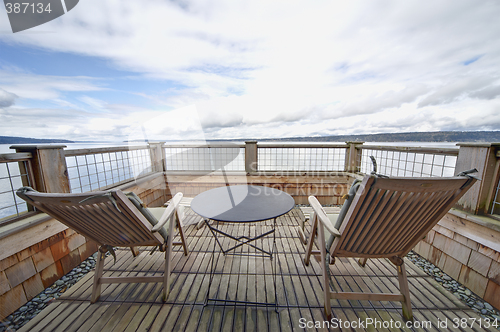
(93, 171)
(12, 177)
(409, 163)
(301, 158)
(204, 158)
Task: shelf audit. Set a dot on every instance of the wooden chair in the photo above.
(111, 219)
(387, 218)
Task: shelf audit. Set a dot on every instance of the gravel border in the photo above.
(476, 303)
(30, 309)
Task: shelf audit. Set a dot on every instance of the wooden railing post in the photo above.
(353, 157)
(483, 157)
(157, 154)
(50, 172)
(251, 157)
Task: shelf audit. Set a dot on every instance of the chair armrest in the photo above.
(323, 218)
(168, 213)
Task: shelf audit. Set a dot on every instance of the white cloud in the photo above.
(94, 103)
(272, 69)
(44, 87)
(7, 98)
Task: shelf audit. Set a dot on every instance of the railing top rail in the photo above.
(446, 151)
(13, 157)
(204, 145)
(301, 145)
(82, 152)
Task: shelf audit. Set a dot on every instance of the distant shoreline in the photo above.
(28, 140)
(436, 136)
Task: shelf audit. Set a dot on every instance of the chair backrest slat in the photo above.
(126, 224)
(99, 222)
(370, 216)
(389, 216)
(95, 216)
(116, 220)
(386, 219)
(427, 208)
(356, 210)
(440, 211)
(409, 213)
(382, 208)
(81, 226)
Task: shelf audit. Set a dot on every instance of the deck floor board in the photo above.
(138, 307)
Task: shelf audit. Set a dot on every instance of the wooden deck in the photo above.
(138, 307)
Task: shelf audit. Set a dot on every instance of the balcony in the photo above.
(36, 250)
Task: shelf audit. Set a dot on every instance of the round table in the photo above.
(242, 203)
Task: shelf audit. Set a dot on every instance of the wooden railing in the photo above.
(15, 171)
(51, 168)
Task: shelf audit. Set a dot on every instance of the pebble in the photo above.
(474, 302)
(20, 317)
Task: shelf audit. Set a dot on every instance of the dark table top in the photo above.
(242, 203)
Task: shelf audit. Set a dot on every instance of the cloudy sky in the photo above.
(119, 69)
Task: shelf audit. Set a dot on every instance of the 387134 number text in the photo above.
(26, 7)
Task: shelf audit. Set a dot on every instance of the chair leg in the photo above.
(302, 229)
(200, 224)
(168, 260)
(314, 230)
(405, 290)
(96, 288)
(183, 239)
(166, 276)
(362, 261)
(325, 272)
(135, 251)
